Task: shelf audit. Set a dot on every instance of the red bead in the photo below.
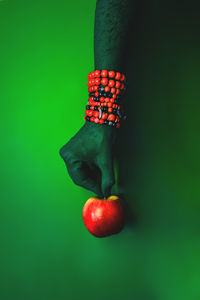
(111, 117)
(117, 84)
(90, 113)
(122, 77)
(110, 110)
(85, 118)
(92, 119)
(104, 73)
(122, 86)
(93, 103)
(118, 75)
(107, 89)
(117, 91)
(109, 104)
(112, 100)
(113, 90)
(92, 107)
(111, 74)
(97, 73)
(104, 116)
(100, 121)
(104, 81)
(92, 75)
(96, 88)
(111, 83)
(96, 120)
(92, 88)
(96, 94)
(114, 96)
(89, 76)
(118, 125)
(107, 99)
(95, 114)
(97, 81)
(102, 99)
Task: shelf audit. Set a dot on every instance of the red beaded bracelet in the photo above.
(105, 88)
(106, 73)
(96, 87)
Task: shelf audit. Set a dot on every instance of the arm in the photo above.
(111, 33)
(89, 154)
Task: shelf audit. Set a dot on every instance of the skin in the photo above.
(89, 154)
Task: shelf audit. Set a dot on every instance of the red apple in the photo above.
(103, 217)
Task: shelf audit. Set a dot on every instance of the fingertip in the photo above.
(106, 189)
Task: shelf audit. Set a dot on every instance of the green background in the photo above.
(46, 53)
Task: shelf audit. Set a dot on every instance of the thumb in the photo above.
(107, 172)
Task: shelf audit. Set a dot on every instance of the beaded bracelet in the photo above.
(105, 88)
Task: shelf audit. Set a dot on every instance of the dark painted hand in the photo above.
(89, 157)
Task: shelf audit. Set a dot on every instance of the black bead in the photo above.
(92, 94)
(88, 118)
(119, 113)
(100, 94)
(105, 122)
(114, 110)
(88, 107)
(105, 109)
(101, 89)
(95, 107)
(104, 94)
(110, 95)
(110, 123)
(114, 124)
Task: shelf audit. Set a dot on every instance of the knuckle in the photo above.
(66, 154)
(75, 181)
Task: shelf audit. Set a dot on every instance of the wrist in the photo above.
(102, 127)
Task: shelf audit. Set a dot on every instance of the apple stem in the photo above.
(104, 198)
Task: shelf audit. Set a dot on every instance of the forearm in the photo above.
(111, 34)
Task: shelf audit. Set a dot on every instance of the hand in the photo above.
(89, 157)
